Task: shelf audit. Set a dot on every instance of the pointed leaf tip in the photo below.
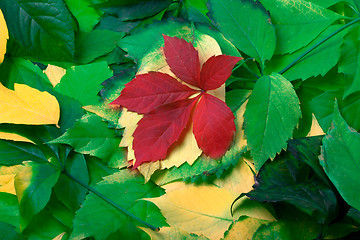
(158, 130)
(183, 59)
(216, 70)
(214, 126)
(148, 91)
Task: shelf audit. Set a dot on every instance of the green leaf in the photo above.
(326, 3)
(8, 232)
(271, 115)
(86, 16)
(98, 169)
(196, 10)
(287, 180)
(341, 159)
(47, 32)
(33, 185)
(235, 98)
(297, 22)
(19, 70)
(44, 226)
(68, 191)
(13, 153)
(90, 135)
(134, 11)
(350, 61)
(99, 219)
(84, 82)
(151, 37)
(323, 108)
(247, 25)
(112, 23)
(91, 45)
(327, 54)
(307, 150)
(9, 208)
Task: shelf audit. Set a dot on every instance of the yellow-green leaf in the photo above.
(26, 105)
(7, 176)
(4, 36)
(166, 233)
(244, 228)
(54, 74)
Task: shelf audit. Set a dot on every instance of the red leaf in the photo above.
(214, 126)
(151, 90)
(183, 59)
(216, 70)
(158, 130)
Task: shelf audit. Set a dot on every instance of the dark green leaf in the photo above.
(68, 191)
(196, 10)
(297, 22)
(33, 186)
(112, 23)
(341, 158)
(135, 11)
(44, 27)
(13, 153)
(90, 135)
(99, 219)
(288, 180)
(91, 45)
(235, 98)
(84, 82)
(8, 232)
(247, 25)
(271, 115)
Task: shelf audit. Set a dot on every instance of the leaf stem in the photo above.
(318, 44)
(112, 203)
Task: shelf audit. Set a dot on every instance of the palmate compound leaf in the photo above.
(26, 105)
(4, 36)
(160, 129)
(183, 60)
(148, 91)
(272, 113)
(99, 219)
(214, 126)
(340, 158)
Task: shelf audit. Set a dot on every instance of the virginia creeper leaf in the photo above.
(4, 36)
(297, 19)
(214, 126)
(247, 25)
(9, 232)
(148, 91)
(271, 115)
(160, 129)
(216, 70)
(99, 219)
(340, 158)
(47, 32)
(33, 186)
(183, 60)
(9, 207)
(26, 105)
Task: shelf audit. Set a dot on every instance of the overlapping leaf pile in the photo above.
(73, 166)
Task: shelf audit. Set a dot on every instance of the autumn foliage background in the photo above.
(68, 165)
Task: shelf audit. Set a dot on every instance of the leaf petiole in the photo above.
(106, 199)
(318, 44)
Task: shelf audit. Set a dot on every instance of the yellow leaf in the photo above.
(54, 74)
(244, 229)
(26, 105)
(168, 233)
(4, 36)
(203, 210)
(60, 236)
(188, 150)
(14, 137)
(7, 176)
(315, 129)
